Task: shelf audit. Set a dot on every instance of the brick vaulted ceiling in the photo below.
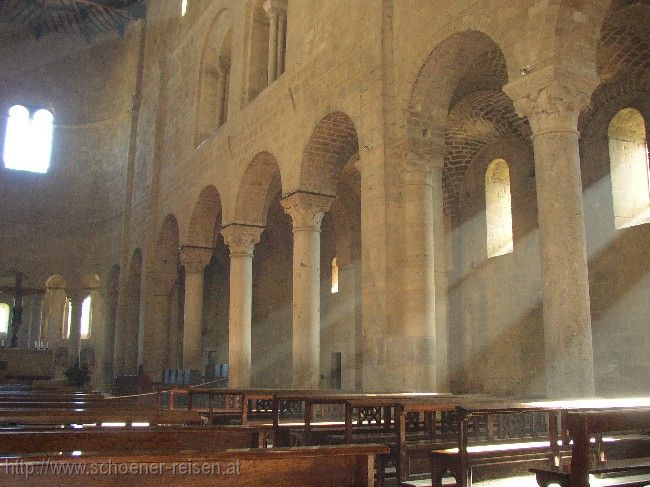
(78, 17)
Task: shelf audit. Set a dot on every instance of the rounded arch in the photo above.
(330, 147)
(206, 218)
(260, 183)
(214, 77)
(464, 63)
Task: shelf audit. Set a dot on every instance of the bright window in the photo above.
(498, 209)
(628, 158)
(86, 317)
(5, 311)
(183, 7)
(28, 140)
(335, 276)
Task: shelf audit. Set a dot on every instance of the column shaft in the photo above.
(282, 39)
(307, 212)
(194, 260)
(273, 44)
(241, 240)
(193, 320)
(239, 338)
(418, 328)
(567, 316)
(552, 99)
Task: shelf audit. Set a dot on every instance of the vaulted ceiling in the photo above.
(78, 17)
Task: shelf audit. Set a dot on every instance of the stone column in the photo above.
(418, 328)
(223, 71)
(272, 12)
(241, 240)
(306, 210)
(282, 40)
(194, 260)
(74, 345)
(552, 100)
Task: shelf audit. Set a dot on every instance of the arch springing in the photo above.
(498, 209)
(628, 159)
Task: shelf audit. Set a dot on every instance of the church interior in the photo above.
(351, 236)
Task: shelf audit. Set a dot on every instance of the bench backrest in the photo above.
(120, 440)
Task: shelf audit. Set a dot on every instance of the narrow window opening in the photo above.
(86, 317)
(183, 8)
(498, 209)
(335, 276)
(628, 156)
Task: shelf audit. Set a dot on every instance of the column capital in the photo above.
(274, 7)
(194, 259)
(76, 295)
(306, 209)
(223, 64)
(241, 239)
(551, 98)
(418, 175)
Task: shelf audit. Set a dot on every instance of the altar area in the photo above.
(24, 365)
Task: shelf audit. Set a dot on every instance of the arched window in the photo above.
(5, 313)
(498, 209)
(86, 317)
(214, 79)
(335, 276)
(268, 40)
(28, 141)
(628, 159)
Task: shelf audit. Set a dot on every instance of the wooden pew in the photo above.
(129, 416)
(541, 443)
(584, 426)
(324, 466)
(128, 440)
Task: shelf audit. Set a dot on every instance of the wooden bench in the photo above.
(585, 426)
(325, 466)
(164, 439)
(461, 460)
(55, 417)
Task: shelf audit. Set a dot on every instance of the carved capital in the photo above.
(223, 65)
(414, 175)
(241, 239)
(551, 98)
(194, 259)
(274, 7)
(307, 209)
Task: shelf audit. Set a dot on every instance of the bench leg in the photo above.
(437, 473)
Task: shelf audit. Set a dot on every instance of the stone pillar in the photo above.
(418, 328)
(223, 72)
(552, 100)
(272, 12)
(282, 40)
(241, 240)
(74, 345)
(194, 260)
(306, 210)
